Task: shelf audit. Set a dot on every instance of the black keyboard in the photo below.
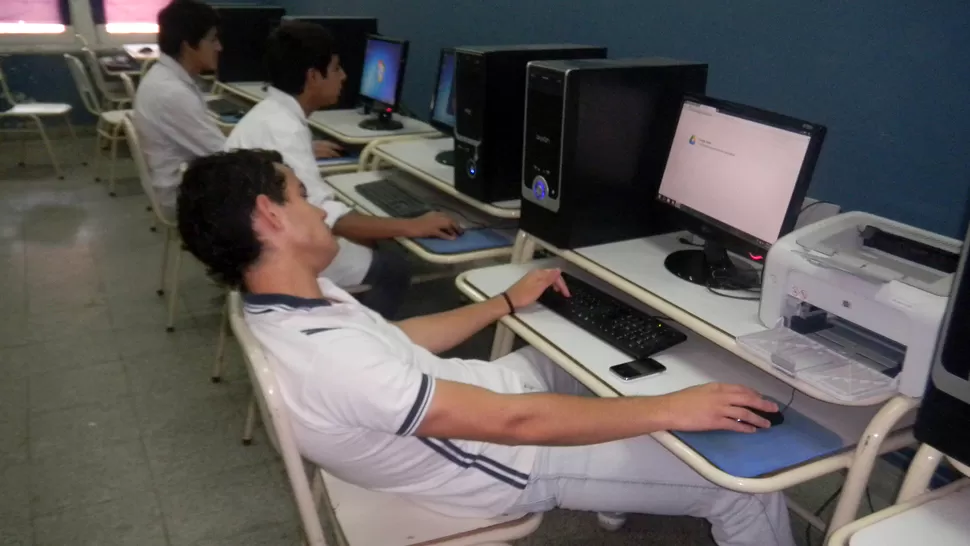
(224, 107)
(625, 328)
(392, 199)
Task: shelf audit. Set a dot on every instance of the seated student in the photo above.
(373, 404)
(171, 115)
(306, 76)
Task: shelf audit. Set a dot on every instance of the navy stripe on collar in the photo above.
(295, 302)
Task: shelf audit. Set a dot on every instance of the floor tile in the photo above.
(77, 386)
(13, 439)
(224, 505)
(186, 372)
(91, 477)
(14, 495)
(63, 353)
(134, 519)
(136, 340)
(286, 534)
(80, 429)
(75, 322)
(17, 534)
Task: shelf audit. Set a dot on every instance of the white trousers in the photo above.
(639, 475)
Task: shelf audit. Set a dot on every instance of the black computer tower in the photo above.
(350, 37)
(243, 31)
(490, 89)
(597, 137)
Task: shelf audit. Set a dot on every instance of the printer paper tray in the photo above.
(807, 360)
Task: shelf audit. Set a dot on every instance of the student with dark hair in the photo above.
(171, 115)
(373, 403)
(306, 76)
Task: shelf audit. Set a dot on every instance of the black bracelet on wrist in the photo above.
(508, 300)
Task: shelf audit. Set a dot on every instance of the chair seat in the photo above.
(114, 117)
(38, 109)
(400, 523)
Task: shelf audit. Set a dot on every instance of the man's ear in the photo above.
(266, 214)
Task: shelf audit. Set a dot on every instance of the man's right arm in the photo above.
(190, 124)
(461, 411)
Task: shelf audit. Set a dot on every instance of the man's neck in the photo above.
(283, 277)
(307, 104)
(189, 67)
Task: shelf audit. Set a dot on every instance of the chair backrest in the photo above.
(83, 83)
(94, 67)
(5, 93)
(81, 40)
(129, 86)
(276, 420)
(144, 173)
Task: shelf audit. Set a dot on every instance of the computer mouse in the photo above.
(774, 417)
(146, 50)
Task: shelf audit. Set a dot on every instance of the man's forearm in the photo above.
(442, 331)
(360, 227)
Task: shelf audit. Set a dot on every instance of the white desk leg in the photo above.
(920, 472)
(524, 248)
(502, 343)
(522, 252)
(865, 457)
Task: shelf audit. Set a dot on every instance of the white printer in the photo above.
(854, 304)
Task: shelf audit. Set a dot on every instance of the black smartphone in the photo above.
(637, 369)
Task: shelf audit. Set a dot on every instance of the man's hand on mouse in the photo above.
(324, 149)
(533, 284)
(715, 406)
(434, 224)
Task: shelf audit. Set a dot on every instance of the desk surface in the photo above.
(941, 522)
(345, 185)
(135, 51)
(694, 362)
(345, 126)
(417, 156)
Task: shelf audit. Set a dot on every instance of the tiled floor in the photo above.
(110, 432)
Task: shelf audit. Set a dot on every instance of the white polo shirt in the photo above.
(174, 125)
(279, 123)
(358, 387)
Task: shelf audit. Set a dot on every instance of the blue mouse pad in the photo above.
(470, 241)
(230, 118)
(342, 160)
(796, 441)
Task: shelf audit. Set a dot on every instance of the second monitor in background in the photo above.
(443, 102)
(383, 77)
(243, 31)
(738, 176)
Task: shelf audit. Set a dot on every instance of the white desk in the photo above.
(135, 50)
(251, 91)
(417, 157)
(345, 185)
(635, 268)
(344, 125)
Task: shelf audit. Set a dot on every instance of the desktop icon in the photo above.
(693, 139)
(381, 68)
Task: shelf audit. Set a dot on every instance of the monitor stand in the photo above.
(712, 267)
(383, 122)
(446, 157)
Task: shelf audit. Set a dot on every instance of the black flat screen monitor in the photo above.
(243, 31)
(385, 61)
(443, 102)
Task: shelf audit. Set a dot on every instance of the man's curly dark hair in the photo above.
(216, 200)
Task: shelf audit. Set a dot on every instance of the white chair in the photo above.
(356, 517)
(111, 98)
(173, 246)
(36, 112)
(109, 122)
(918, 513)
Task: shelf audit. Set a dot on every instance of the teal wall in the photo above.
(890, 79)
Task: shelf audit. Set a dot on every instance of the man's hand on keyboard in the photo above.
(715, 406)
(434, 224)
(324, 149)
(533, 284)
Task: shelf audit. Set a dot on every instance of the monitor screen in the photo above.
(243, 32)
(734, 172)
(443, 107)
(383, 69)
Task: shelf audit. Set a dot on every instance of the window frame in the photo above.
(41, 41)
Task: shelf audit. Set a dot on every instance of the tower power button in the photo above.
(539, 187)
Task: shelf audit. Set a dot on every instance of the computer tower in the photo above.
(243, 31)
(597, 136)
(350, 38)
(490, 101)
(946, 405)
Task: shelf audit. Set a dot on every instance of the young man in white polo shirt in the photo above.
(373, 404)
(171, 115)
(305, 76)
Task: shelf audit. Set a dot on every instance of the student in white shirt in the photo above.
(306, 76)
(373, 404)
(171, 115)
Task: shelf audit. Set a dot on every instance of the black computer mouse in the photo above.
(774, 417)
(146, 50)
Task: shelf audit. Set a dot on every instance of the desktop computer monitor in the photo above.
(946, 404)
(443, 102)
(350, 42)
(737, 175)
(383, 77)
(243, 31)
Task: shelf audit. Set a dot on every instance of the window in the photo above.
(34, 16)
(128, 16)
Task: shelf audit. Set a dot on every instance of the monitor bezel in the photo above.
(731, 238)
(439, 125)
(401, 72)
